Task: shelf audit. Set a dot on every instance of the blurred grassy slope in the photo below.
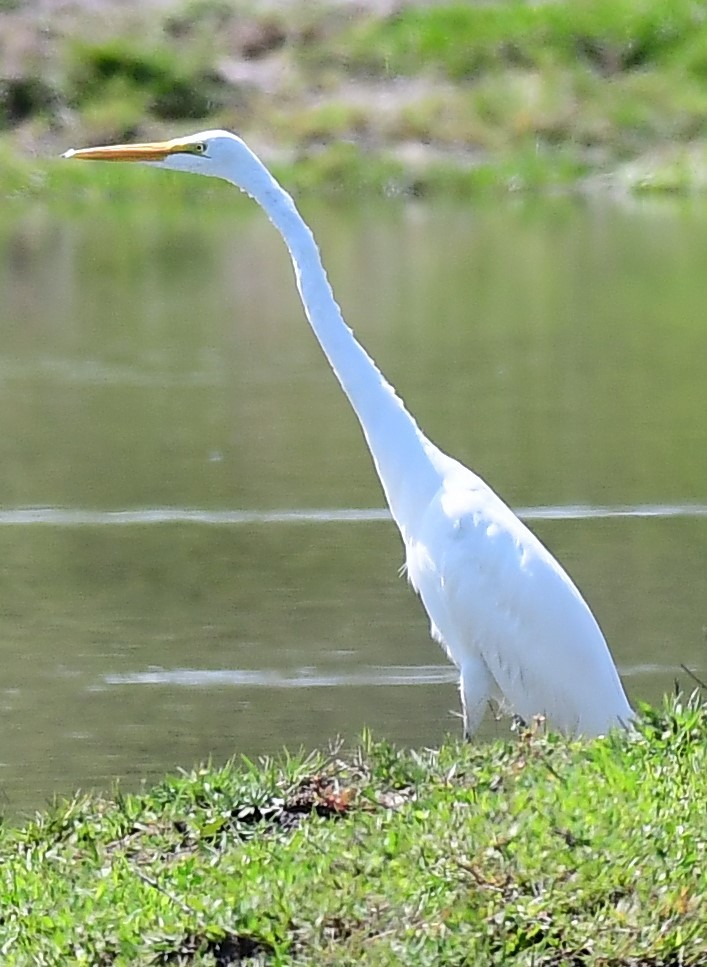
(451, 96)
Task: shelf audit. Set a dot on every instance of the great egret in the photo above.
(501, 606)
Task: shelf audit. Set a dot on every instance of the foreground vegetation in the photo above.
(454, 96)
(533, 851)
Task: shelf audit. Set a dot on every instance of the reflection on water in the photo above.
(63, 517)
(155, 369)
(374, 677)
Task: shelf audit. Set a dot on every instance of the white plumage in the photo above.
(499, 603)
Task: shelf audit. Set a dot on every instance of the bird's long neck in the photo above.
(408, 464)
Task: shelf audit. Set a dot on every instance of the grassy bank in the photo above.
(534, 851)
(456, 97)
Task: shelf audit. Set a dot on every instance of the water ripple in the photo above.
(77, 517)
(299, 678)
(366, 676)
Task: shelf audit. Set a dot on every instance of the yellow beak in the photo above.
(149, 151)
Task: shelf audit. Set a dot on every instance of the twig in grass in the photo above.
(184, 907)
(551, 769)
(694, 677)
(479, 878)
(228, 946)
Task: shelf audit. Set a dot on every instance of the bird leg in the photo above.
(477, 687)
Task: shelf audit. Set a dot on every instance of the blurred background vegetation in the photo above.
(392, 96)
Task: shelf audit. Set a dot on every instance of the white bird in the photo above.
(501, 606)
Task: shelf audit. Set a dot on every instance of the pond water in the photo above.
(194, 556)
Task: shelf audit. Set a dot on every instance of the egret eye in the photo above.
(199, 147)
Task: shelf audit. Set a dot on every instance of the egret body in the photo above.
(501, 606)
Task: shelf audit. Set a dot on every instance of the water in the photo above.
(194, 555)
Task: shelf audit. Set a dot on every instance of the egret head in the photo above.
(216, 153)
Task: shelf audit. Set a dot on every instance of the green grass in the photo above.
(533, 851)
(465, 39)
